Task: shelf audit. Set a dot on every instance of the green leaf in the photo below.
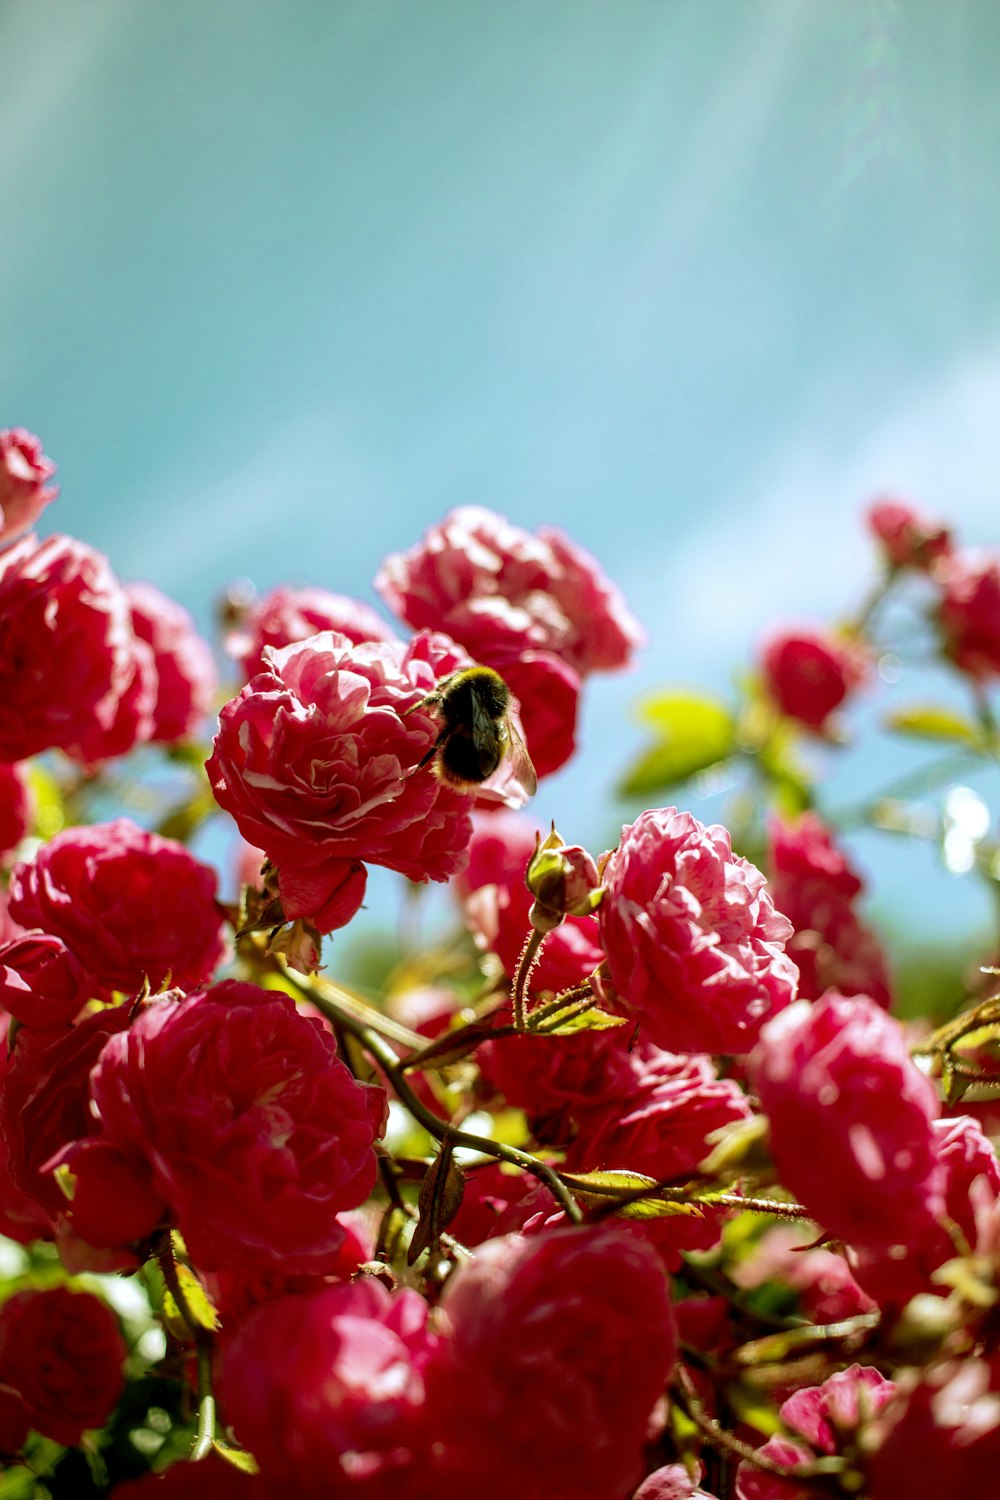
(245, 1462)
(566, 1022)
(439, 1200)
(625, 1189)
(932, 721)
(198, 1304)
(691, 731)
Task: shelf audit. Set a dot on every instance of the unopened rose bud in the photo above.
(908, 539)
(564, 881)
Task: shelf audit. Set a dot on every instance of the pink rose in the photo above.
(971, 1176)
(186, 678)
(63, 1353)
(24, 487)
(494, 587)
(496, 902)
(17, 807)
(672, 1483)
(822, 1279)
(41, 983)
(548, 1338)
(69, 658)
(286, 616)
(826, 1417)
(318, 760)
(809, 673)
(851, 1120)
(327, 1391)
(693, 943)
(815, 887)
(908, 538)
(969, 611)
(129, 905)
(256, 1132)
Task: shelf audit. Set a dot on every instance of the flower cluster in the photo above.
(631, 1188)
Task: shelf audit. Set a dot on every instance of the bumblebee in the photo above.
(477, 734)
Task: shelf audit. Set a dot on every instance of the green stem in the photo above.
(205, 1434)
(525, 964)
(392, 1067)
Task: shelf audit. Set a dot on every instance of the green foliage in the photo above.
(691, 731)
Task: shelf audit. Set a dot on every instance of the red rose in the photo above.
(318, 760)
(41, 983)
(694, 945)
(851, 1120)
(496, 903)
(62, 1352)
(45, 1102)
(24, 476)
(129, 905)
(17, 810)
(22, 1218)
(286, 616)
(548, 1338)
(67, 652)
(969, 611)
(908, 539)
(256, 1132)
(814, 886)
(971, 1175)
(548, 692)
(941, 1436)
(186, 678)
(328, 1393)
(211, 1478)
(809, 673)
(822, 1280)
(494, 587)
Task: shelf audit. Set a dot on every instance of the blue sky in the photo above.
(282, 282)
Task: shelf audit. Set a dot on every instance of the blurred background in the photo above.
(281, 283)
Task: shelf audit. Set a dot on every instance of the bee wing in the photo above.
(514, 780)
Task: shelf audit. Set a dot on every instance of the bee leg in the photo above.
(430, 754)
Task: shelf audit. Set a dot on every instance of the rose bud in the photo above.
(908, 539)
(24, 487)
(564, 881)
(808, 673)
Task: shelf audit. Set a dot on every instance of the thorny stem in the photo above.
(205, 1435)
(525, 964)
(392, 1067)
